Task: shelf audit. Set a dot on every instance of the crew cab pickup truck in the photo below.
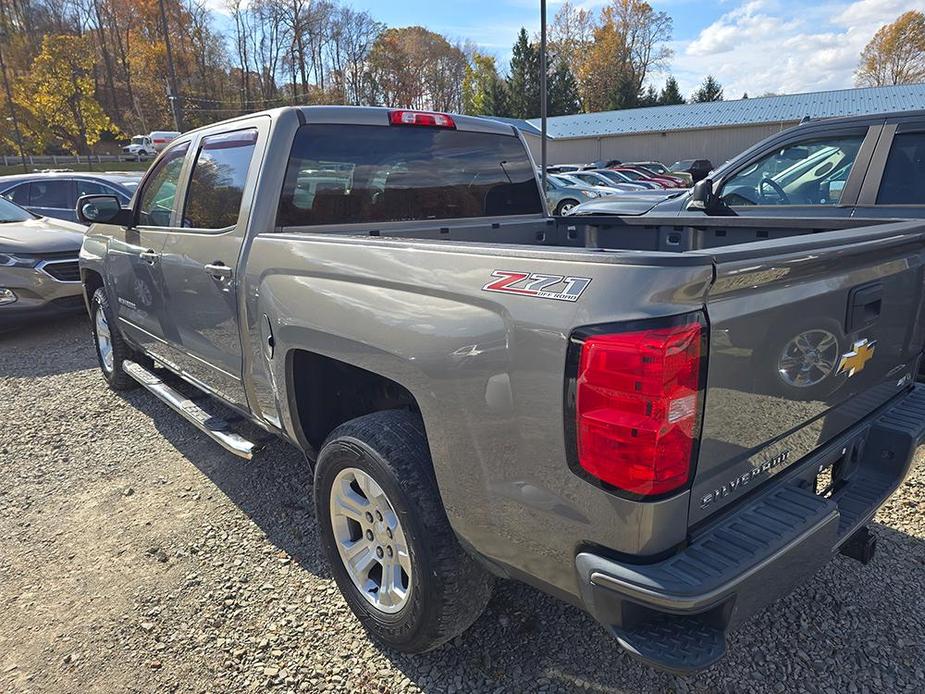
(668, 425)
(870, 166)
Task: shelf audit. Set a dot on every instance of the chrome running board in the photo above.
(214, 427)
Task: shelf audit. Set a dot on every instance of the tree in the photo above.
(59, 94)
(562, 97)
(709, 90)
(671, 93)
(649, 97)
(896, 53)
(523, 81)
(483, 88)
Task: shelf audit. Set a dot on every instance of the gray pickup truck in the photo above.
(666, 422)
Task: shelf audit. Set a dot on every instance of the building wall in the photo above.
(715, 144)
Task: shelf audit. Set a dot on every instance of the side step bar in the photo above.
(215, 427)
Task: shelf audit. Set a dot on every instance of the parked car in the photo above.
(55, 194)
(860, 166)
(162, 138)
(598, 180)
(659, 169)
(562, 196)
(139, 149)
(563, 168)
(638, 176)
(698, 169)
(663, 181)
(620, 177)
(38, 265)
(485, 390)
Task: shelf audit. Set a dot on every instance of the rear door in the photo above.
(806, 337)
(895, 183)
(199, 259)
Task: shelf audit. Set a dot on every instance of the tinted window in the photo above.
(10, 213)
(217, 184)
(19, 194)
(351, 173)
(157, 196)
(94, 188)
(50, 193)
(904, 176)
(803, 173)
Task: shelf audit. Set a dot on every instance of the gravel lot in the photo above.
(137, 556)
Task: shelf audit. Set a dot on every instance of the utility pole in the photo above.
(9, 100)
(172, 97)
(543, 91)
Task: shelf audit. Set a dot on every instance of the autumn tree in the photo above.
(59, 95)
(896, 53)
(417, 68)
(483, 89)
(709, 90)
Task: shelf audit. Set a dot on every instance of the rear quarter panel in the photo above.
(486, 369)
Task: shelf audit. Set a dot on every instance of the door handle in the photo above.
(864, 305)
(218, 270)
(149, 256)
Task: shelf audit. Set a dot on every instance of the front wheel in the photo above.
(111, 349)
(566, 206)
(387, 538)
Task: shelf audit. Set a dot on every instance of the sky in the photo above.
(753, 46)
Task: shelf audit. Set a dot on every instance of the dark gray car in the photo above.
(55, 194)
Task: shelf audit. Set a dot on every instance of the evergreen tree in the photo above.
(709, 90)
(671, 93)
(523, 82)
(649, 97)
(744, 95)
(562, 91)
(624, 93)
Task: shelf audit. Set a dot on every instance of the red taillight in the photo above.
(424, 118)
(637, 400)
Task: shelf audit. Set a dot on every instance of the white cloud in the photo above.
(769, 46)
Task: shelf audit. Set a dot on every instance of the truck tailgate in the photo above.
(805, 340)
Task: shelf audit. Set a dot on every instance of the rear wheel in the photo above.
(387, 538)
(111, 348)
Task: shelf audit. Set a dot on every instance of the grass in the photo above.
(98, 168)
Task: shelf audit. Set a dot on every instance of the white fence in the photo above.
(59, 159)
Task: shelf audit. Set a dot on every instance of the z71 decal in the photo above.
(535, 284)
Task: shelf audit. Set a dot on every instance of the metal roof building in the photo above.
(715, 130)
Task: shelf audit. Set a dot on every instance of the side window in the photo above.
(804, 173)
(50, 193)
(216, 186)
(156, 199)
(19, 194)
(903, 180)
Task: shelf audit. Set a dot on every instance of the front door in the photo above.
(199, 260)
(134, 257)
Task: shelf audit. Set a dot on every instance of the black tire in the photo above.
(562, 204)
(117, 379)
(449, 589)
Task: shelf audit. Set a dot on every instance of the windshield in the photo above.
(10, 212)
(656, 167)
(138, 140)
(629, 173)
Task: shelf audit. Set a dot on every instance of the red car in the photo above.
(646, 175)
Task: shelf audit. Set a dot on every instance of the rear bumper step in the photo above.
(675, 613)
(216, 428)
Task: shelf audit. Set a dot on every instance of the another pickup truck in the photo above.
(666, 424)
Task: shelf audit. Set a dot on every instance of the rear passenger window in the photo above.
(19, 194)
(216, 186)
(50, 194)
(903, 180)
(341, 174)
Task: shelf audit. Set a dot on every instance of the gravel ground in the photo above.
(138, 556)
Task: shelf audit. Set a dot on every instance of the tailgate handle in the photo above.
(864, 305)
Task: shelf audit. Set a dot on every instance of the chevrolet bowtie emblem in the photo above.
(857, 358)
